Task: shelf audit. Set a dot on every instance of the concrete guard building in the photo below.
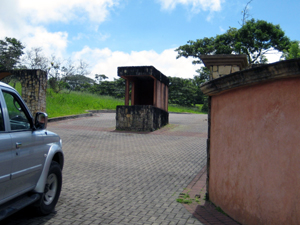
(147, 91)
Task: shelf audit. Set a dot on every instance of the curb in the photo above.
(91, 113)
(55, 119)
(102, 111)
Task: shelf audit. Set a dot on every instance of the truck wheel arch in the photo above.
(54, 154)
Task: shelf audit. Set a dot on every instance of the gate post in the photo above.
(34, 86)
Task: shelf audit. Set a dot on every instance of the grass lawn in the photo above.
(182, 109)
(65, 103)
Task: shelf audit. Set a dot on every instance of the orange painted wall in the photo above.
(255, 153)
(161, 96)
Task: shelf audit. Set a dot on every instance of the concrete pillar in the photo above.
(34, 86)
(221, 65)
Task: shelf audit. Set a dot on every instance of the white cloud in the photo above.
(26, 20)
(222, 29)
(51, 43)
(33, 36)
(273, 56)
(196, 5)
(105, 61)
(64, 10)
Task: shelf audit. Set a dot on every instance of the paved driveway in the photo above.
(125, 178)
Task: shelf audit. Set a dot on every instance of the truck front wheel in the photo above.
(52, 190)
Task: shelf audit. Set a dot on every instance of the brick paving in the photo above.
(205, 211)
(113, 177)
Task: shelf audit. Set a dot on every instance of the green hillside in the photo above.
(67, 103)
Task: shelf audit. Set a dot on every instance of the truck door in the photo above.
(5, 159)
(29, 150)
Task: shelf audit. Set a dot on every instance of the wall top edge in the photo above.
(142, 71)
(21, 72)
(269, 72)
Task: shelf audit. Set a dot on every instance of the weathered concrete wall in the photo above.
(140, 118)
(34, 86)
(254, 144)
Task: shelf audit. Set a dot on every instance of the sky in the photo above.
(107, 34)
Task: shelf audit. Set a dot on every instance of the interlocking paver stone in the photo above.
(113, 177)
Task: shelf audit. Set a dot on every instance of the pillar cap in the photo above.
(223, 60)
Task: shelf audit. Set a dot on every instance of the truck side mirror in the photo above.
(41, 120)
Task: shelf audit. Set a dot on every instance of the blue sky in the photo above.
(111, 33)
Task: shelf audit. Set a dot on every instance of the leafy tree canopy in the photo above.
(293, 52)
(76, 82)
(100, 77)
(115, 88)
(35, 59)
(10, 52)
(255, 38)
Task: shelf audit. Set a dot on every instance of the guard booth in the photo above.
(146, 99)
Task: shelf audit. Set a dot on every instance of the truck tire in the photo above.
(52, 190)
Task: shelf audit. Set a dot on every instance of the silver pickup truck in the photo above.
(31, 157)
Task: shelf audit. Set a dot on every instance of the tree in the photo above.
(258, 37)
(82, 68)
(60, 72)
(100, 77)
(182, 91)
(78, 82)
(255, 38)
(10, 52)
(115, 88)
(54, 75)
(35, 59)
(245, 13)
(196, 48)
(225, 43)
(203, 76)
(293, 52)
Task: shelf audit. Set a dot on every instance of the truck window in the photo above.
(17, 118)
(1, 120)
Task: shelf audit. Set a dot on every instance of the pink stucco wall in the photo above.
(255, 152)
